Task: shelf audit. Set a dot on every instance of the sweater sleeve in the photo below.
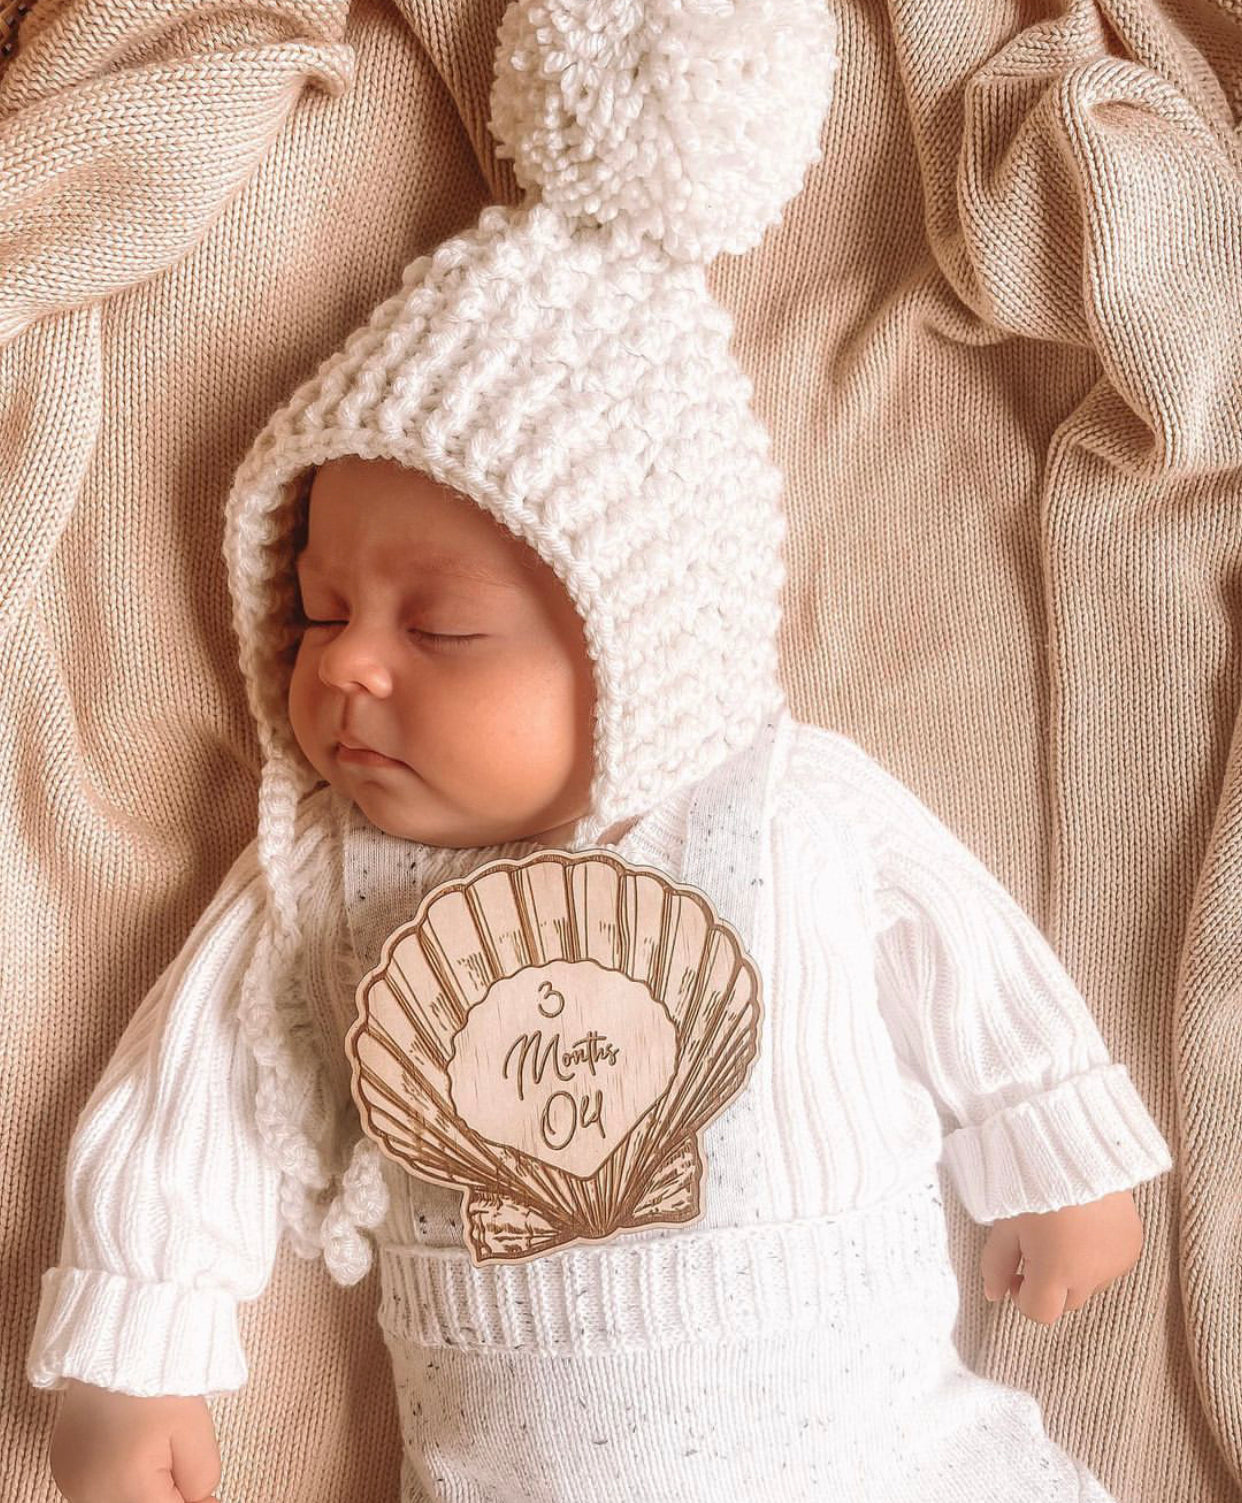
(171, 1206)
(983, 1012)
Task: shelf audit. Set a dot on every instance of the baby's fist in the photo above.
(115, 1448)
(1066, 1255)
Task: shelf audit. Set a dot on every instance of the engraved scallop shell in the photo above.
(642, 1006)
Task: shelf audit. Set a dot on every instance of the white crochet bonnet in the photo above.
(563, 365)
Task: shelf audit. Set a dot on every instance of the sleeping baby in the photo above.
(506, 577)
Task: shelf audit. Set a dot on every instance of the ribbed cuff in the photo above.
(1087, 1137)
(138, 1338)
(664, 1286)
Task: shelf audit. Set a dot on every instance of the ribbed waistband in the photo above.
(669, 1286)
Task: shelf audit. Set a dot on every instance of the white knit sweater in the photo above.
(902, 986)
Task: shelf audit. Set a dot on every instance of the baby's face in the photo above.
(442, 682)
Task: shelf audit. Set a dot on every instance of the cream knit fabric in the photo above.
(1015, 267)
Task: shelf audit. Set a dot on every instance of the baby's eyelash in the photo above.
(436, 638)
(444, 639)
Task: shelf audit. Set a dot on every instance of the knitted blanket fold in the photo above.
(1093, 202)
(1096, 203)
(124, 133)
(997, 342)
(1085, 208)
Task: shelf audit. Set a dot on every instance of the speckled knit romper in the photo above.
(795, 1344)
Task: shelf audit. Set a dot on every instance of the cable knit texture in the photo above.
(996, 340)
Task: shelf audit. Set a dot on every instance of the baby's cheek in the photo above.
(519, 730)
(302, 702)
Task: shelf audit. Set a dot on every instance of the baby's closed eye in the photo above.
(445, 638)
(426, 635)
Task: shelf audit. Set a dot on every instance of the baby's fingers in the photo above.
(195, 1457)
(1077, 1298)
(999, 1260)
(1041, 1298)
(163, 1491)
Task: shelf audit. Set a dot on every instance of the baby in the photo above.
(506, 576)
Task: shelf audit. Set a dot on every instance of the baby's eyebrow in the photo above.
(431, 564)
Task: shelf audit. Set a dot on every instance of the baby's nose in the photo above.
(355, 659)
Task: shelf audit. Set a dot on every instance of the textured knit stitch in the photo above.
(981, 566)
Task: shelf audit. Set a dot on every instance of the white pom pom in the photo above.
(690, 121)
(346, 1252)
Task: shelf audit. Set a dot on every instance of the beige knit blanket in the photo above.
(999, 342)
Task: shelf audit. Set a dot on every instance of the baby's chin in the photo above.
(416, 819)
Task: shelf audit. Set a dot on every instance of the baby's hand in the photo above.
(113, 1448)
(1066, 1255)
